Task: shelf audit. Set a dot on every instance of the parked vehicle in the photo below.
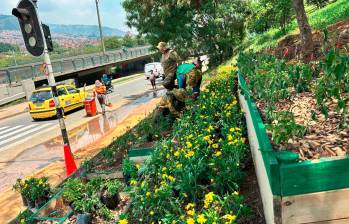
(157, 69)
(42, 104)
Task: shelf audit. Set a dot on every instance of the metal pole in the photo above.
(14, 57)
(52, 83)
(100, 26)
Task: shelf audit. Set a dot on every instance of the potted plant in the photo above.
(34, 191)
(85, 207)
(129, 170)
(110, 194)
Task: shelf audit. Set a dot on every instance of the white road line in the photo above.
(2, 128)
(10, 129)
(41, 127)
(17, 131)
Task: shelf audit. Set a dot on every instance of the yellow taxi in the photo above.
(42, 104)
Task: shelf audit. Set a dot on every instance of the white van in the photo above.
(157, 69)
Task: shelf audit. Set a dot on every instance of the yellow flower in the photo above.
(190, 221)
(191, 212)
(236, 193)
(138, 166)
(164, 176)
(230, 218)
(189, 206)
(210, 128)
(201, 219)
(151, 213)
(189, 154)
(208, 199)
(177, 153)
(189, 145)
(164, 169)
(207, 138)
(219, 153)
(230, 138)
(179, 165)
(215, 146)
(133, 182)
(123, 221)
(232, 129)
(171, 178)
(148, 194)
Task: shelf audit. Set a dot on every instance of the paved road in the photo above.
(20, 129)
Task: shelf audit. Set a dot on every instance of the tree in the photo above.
(266, 14)
(191, 26)
(7, 47)
(304, 28)
(128, 41)
(112, 43)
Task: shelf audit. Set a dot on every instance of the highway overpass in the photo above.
(79, 66)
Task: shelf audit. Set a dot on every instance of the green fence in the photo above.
(287, 176)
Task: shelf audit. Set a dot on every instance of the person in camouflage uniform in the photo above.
(189, 77)
(170, 61)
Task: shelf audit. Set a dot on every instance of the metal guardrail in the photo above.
(71, 64)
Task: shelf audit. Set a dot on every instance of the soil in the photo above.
(338, 33)
(323, 137)
(250, 190)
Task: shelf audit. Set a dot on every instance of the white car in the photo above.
(157, 69)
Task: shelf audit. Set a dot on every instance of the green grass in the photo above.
(318, 19)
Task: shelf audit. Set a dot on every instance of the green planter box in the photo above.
(292, 191)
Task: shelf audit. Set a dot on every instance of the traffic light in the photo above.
(30, 26)
(48, 38)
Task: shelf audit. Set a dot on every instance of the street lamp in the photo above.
(100, 26)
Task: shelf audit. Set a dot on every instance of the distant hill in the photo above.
(11, 23)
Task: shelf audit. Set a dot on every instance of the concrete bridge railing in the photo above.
(71, 64)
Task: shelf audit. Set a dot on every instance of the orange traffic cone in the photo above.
(70, 165)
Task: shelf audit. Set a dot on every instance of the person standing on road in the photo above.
(152, 79)
(100, 92)
(170, 61)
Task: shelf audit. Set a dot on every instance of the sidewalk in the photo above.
(13, 110)
(23, 107)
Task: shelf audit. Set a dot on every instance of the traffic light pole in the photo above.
(100, 27)
(52, 84)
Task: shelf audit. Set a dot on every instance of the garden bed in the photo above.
(295, 188)
(194, 175)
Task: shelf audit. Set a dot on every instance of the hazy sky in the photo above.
(76, 12)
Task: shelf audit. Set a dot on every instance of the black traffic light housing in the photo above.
(48, 38)
(30, 26)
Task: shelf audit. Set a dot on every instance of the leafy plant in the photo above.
(113, 187)
(301, 77)
(129, 168)
(334, 84)
(33, 188)
(85, 198)
(107, 153)
(284, 127)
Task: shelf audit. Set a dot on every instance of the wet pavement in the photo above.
(40, 156)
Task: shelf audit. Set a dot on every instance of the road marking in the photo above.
(17, 131)
(41, 127)
(2, 128)
(10, 129)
